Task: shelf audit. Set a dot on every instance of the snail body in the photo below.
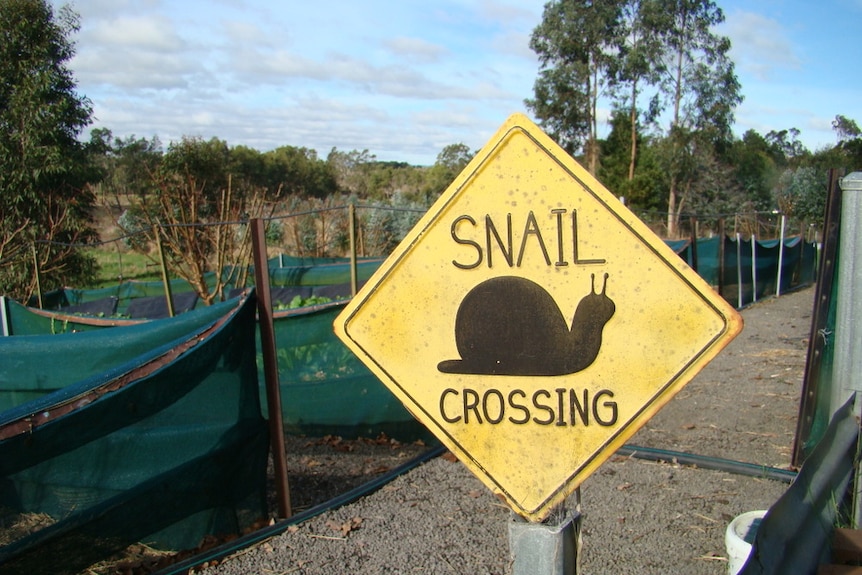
(512, 326)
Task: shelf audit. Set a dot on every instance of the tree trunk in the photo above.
(672, 216)
(589, 144)
(633, 116)
(671, 209)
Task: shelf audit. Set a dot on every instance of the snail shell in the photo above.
(510, 325)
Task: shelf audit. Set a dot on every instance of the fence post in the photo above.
(780, 255)
(38, 276)
(351, 215)
(739, 269)
(754, 267)
(819, 337)
(4, 320)
(692, 222)
(721, 256)
(270, 366)
(169, 297)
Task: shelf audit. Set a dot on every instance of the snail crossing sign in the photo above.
(532, 322)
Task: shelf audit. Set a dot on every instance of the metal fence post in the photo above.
(754, 267)
(270, 366)
(846, 379)
(739, 270)
(780, 255)
(848, 336)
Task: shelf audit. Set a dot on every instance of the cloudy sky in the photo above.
(404, 78)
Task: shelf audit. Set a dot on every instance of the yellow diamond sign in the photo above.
(532, 322)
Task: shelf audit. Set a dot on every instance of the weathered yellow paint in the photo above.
(667, 324)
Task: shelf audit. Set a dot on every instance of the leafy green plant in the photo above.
(299, 301)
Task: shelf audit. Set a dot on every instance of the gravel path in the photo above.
(638, 516)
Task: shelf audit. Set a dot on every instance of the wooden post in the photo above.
(270, 365)
(169, 298)
(693, 232)
(721, 256)
(354, 282)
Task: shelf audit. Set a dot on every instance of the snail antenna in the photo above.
(605, 285)
(592, 283)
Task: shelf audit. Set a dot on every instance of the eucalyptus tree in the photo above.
(450, 162)
(44, 168)
(127, 164)
(577, 44)
(756, 168)
(299, 171)
(801, 193)
(845, 128)
(849, 142)
(701, 88)
(644, 189)
(638, 67)
(787, 148)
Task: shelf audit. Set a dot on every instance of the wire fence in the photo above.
(358, 230)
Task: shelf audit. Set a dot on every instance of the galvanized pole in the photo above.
(547, 548)
(4, 319)
(847, 358)
(780, 255)
(739, 270)
(754, 267)
(270, 365)
(847, 362)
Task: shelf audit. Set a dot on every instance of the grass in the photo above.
(116, 265)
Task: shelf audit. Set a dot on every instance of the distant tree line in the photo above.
(655, 60)
(176, 196)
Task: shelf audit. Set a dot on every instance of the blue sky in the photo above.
(402, 78)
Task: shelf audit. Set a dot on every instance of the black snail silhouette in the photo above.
(512, 326)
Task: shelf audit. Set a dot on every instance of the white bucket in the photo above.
(738, 538)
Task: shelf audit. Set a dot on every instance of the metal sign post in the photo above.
(547, 548)
(532, 322)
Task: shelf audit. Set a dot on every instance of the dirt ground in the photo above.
(639, 517)
(744, 404)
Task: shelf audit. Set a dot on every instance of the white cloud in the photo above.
(760, 44)
(153, 33)
(132, 71)
(415, 49)
(402, 80)
(511, 14)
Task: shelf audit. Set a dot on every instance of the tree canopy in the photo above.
(44, 168)
(667, 76)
